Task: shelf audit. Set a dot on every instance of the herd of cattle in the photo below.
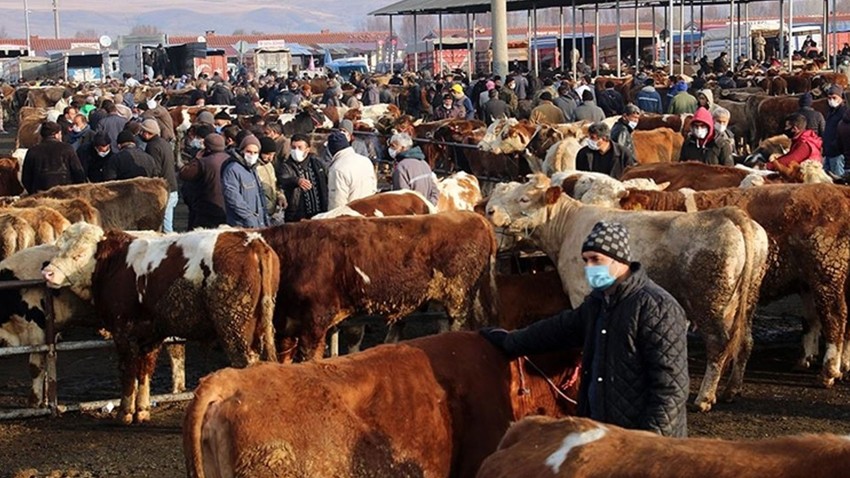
(441, 405)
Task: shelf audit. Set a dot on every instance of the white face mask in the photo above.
(197, 143)
(392, 152)
(298, 155)
(701, 133)
(151, 104)
(252, 158)
(720, 127)
(359, 97)
(633, 124)
(76, 129)
(103, 154)
(834, 103)
(592, 144)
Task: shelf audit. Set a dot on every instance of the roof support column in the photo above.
(732, 34)
(741, 29)
(474, 60)
(582, 49)
(790, 36)
(781, 54)
(560, 43)
(415, 45)
(499, 11)
(469, 50)
(748, 30)
(681, 37)
(439, 69)
(637, 39)
(692, 49)
(835, 49)
(536, 46)
(825, 37)
(654, 43)
(390, 50)
(619, 57)
(670, 39)
(701, 32)
(528, 39)
(573, 33)
(596, 40)
(27, 27)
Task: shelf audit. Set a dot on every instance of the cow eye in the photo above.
(524, 200)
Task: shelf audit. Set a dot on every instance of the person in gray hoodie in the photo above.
(411, 170)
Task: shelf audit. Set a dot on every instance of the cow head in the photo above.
(521, 208)
(518, 136)
(776, 145)
(495, 133)
(74, 265)
(458, 192)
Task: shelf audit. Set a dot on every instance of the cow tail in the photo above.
(488, 291)
(269, 281)
(747, 285)
(193, 424)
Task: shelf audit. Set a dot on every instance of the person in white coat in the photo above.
(350, 175)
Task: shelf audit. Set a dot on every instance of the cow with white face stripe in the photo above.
(201, 285)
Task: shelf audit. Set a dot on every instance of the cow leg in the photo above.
(394, 331)
(830, 305)
(177, 357)
(811, 339)
(235, 336)
(353, 337)
(36, 398)
(128, 368)
(739, 365)
(146, 366)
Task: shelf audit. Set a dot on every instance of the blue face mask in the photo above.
(599, 277)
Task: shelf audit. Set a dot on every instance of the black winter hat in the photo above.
(806, 99)
(337, 142)
(267, 145)
(610, 239)
(126, 136)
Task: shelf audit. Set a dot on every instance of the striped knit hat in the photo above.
(610, 239)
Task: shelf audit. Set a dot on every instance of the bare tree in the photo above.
(145, 30)
(3, 32)
(88, 33)
(238, 32)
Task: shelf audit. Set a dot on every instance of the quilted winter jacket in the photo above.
(642, 348)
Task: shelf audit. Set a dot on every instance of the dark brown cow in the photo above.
(430, 407)
(650, 121)
(830, 78)
(623, 85)
(692, 175)
(771, 113)
(581, 448)
(201, 285)
(10, 185)
(527, 298)
(809, 252)
(392, 203)
(798, 83)
(131, 204)
(380, 266)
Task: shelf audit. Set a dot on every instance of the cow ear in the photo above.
(663, 186)
(553, 194)
(623, 194)
(481, 207)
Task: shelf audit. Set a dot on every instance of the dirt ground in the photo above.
(776, 401)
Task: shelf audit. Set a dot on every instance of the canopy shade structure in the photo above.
(447, 7)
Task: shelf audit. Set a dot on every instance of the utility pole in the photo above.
(499, 11)
(56, 18)
(27, 26)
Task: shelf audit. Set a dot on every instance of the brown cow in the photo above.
(392, 203)
(809, 252)
(692, 175)
(798, 83)
(770, 115)
(527, 298)
(10, 185)
(29, 122)
(74, 210)
(47, 97)
(16, 235)
(660, 145)
(430, 407)
(201, 285)
(650, 121)
(380, 266)
(130, 204)
(544, 447)
(47, 223)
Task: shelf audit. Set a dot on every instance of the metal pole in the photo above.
(701, 31)
(528, 39)
(637, 39)
(474, 60)
(619, 46)
(56, 18)
(835, 33)
(415, 45)
(583, 51)
(790, 36)
(27, 27)
(670, 29)
(749, 30)
(682, 37)
(536, 46)
(740, 48)
(439, 69)
(654, 43)
(596, 40)
(390, 50)
(825, 36)
(468, 48)
(691, 30)
(732, 33)
(573, 34)
(561, 37)
(50, 340)
(781, 30)
(499, 11)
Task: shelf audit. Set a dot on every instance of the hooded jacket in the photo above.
(807, 145)
(830, 131)
(412, 172)
(843, 134)
(712, 107)
(350, 176)
(649, 101)
(635, 339)
(814, 119)
(708, 150)
(244, 202)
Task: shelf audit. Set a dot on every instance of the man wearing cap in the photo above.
(205, 199)
(154, 110)
(304, 181)
(833, 156)
(449, 109)
(268, 179)
(684, 102)
(566, 102)
(461, 99)
(701, 143)
(814, 119)
(621, 132)
(495, 109)
(51, 162)
(205, 117)
(546, 112)
(94, 157)
(360, 146)
(130, 161)
(163, 153)
(112, 124)
(648, 99)
(350, 175)
(633, 335)
(244, 203)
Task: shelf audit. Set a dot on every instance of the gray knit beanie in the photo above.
(610, 239)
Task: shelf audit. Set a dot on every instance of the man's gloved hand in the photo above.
(495, 336)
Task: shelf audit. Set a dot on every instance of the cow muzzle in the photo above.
(54, 277)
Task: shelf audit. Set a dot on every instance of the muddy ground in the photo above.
(776, 401)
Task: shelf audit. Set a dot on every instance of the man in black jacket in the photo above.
(633, 334)
(51, 162)
(601, 155)
(163, 153)
(130, 162)
(304, 181)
